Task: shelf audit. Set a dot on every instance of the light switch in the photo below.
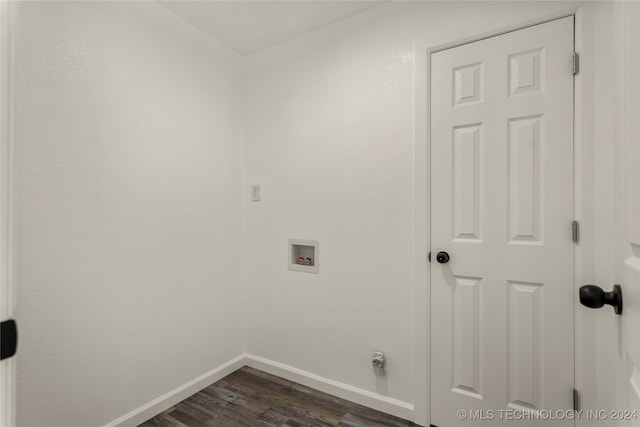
(255, 193)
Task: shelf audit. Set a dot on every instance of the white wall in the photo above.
(129, 167)
(336, 125)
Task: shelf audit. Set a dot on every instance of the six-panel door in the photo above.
(502, 206)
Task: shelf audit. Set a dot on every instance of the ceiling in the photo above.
(249, 26)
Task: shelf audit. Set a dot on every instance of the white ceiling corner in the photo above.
(250, 26)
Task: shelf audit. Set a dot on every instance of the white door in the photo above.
(7, 298)
(627, 257)
(501, 208)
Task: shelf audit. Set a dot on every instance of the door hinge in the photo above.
(575, 231)
(576, 63)
(576, 400)
(429, 256)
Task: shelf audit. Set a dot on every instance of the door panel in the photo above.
(628, 254)
(7, 291)
(502, 206)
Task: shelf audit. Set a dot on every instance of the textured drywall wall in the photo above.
(331, 120)
(129, 168)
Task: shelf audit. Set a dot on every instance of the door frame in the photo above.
(584, 164)
(8, 13)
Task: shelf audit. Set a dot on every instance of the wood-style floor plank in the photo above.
(252, 398)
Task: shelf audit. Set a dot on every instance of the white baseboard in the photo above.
(156, 406)
(353, 394)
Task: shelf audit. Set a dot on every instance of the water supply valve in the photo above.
(379, 363)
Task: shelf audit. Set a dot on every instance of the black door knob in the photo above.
(442, 257)
(593, 296)
(9, 335)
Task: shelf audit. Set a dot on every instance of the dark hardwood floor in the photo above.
(249, 397)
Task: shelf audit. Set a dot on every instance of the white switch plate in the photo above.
(255, 193)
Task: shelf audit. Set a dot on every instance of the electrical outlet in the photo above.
(255, 193)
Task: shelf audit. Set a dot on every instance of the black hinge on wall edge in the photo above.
(8, 339)
(576, 63)
(575, 231)
(576, 400)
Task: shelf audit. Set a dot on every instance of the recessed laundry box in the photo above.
(304, 255)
